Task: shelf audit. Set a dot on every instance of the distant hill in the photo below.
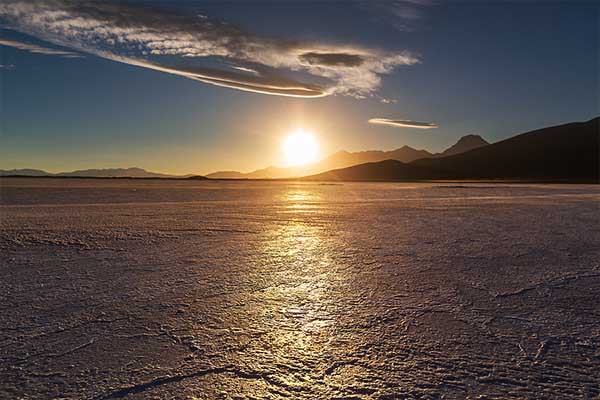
(116, 173)
(23, 172)
(343, 158)
(91, 173)
(226, 175)
(566, 153)
(387, 170)
(464, 144)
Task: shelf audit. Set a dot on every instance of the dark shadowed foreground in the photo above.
(169, 289)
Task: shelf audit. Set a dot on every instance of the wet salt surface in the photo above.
(169, 289)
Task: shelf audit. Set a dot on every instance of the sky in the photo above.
(194, 87)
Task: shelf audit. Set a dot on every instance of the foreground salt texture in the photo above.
(170, 289)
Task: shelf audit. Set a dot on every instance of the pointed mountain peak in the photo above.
(465, 143)
(472, 138)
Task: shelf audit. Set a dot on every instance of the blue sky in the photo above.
(78, 100)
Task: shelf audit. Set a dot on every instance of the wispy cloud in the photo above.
(386, 100)
(32, 48)
(404, 15)
(403, 123)
(204, 49)
(244, 69)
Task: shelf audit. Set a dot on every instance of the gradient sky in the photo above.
(71, 98)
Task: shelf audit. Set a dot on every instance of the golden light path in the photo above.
(296, 307)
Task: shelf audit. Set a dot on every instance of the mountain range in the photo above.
(566, 152)
(344, 159)
(337, 160)
(92, 173)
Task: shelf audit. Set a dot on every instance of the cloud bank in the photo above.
(403, 123)
(32, 48)
(204, 49)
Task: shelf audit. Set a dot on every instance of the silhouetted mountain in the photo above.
(226, 175)
(568, 151)
(91, 173)
(342, 159)
(276, 173)
(464, 144)
(23, 172)
(116, 173)
(387, 170)
(563, 153)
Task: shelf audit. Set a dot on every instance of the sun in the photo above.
(300, 148)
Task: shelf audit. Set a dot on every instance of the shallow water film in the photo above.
(152, 289)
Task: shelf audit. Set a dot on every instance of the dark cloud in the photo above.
(403, 123)
(332, 59)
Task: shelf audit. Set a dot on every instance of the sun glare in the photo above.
(300, 148)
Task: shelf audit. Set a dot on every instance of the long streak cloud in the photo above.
(403, 123)
(33, 48)
(204, 49)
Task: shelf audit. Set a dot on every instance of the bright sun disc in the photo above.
(300, 148)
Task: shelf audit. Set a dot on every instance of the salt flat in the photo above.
(152, 289)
